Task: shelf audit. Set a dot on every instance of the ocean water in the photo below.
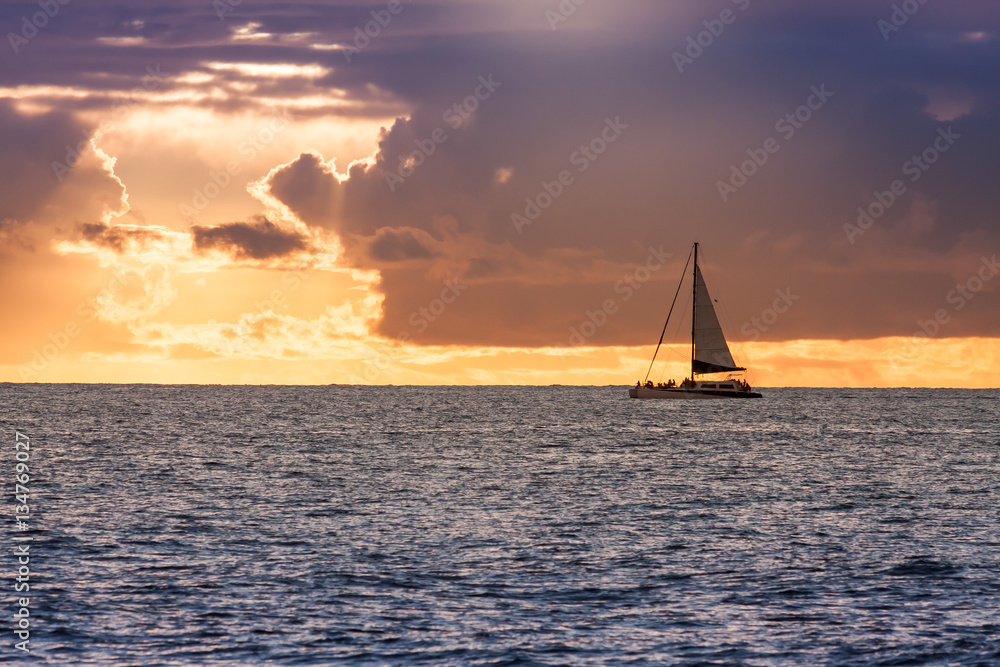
(184, 525)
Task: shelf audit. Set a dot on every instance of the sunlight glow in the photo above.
(271, 70)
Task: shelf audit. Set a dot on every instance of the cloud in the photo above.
(399, 245)
(451, 217)
(138, 294)
(14, 238)
(259, 239)
(31, 144)
(310, 187)
(52, 179)
(785, 227)
(121, 238)
(339, 333)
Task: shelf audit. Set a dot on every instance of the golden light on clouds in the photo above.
(267, 199)
(122, 41)
(337, 348)
(271, 70)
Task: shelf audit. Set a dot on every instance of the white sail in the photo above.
(711, 353)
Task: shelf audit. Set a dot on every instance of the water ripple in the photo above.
(511, 526)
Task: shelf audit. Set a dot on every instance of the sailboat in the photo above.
(710, 353)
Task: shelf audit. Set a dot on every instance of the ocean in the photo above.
(211, 525)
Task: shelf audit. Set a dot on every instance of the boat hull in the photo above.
(678, 393)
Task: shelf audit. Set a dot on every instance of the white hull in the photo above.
(678, 393)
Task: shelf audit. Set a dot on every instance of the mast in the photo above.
(694, 306)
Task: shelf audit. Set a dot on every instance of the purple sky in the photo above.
(605, 80)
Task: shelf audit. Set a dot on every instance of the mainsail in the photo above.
(709, 350)
(711, 353)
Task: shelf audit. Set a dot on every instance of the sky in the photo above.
(487, 192)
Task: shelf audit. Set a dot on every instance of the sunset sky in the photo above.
(487, 191)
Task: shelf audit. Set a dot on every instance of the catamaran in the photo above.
(710, 353)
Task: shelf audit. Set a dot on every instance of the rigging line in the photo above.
(664, 332)
(673, 354)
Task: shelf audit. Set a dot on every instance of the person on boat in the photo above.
(649, 384)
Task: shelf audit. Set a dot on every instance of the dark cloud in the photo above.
(31, 144)
(656, 185)
(399, 245)
(258, 239)
(311, 187)
(13, 236)
(120, 238)
(50, 178)
(783, 228)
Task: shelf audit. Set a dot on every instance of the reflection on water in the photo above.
(311, 525)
